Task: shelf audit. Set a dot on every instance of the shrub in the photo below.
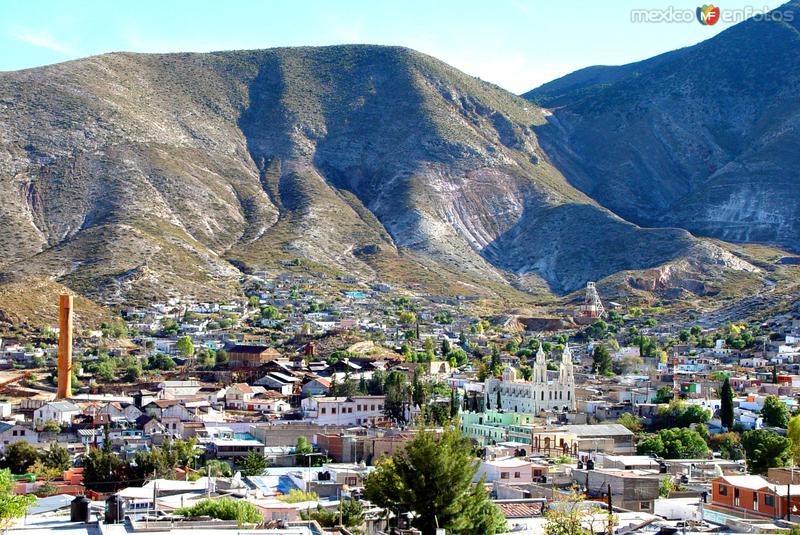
(241, 511)
(296, 496)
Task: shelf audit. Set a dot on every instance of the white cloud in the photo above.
(42, 39)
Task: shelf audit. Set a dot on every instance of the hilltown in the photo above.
(292, 400)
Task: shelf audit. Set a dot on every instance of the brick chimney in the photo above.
(65, 347)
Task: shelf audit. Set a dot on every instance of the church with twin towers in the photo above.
(539, 394)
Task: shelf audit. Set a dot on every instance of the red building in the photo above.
(750, 497)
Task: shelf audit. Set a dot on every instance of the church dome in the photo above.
(509, 374)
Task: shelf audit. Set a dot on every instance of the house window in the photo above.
(358, 407)
(769, 500)
(333, 410)
(644, 505)
(380, 407)
(755, 501)
(372, 407)
(723, 490)
(516, 475)
(503, 475)
(736, 497)
(323, 410)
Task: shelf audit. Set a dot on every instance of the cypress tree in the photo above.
(726, 407)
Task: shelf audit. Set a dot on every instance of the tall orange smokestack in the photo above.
(65, 347)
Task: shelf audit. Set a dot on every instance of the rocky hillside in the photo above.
(704, 138)
(139, 176)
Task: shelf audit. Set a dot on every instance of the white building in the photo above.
(355, 410)
(510, 470)
(537, 395)
(59, 411)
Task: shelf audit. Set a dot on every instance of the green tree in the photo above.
(253, 464)
(674, 443)
(362, 385)
(269, 312)
(132, 373)
(105, 371)
(726, 407)
(494, 365)
(395, 396)
(650, 445)
(185, 346)
(55, 457)
(51, 426)
(408, 318)
(568, 516)
(153, 463)
(453, 404)
(217, 468)
(728, 445)
(103, 470)
(12, 506)
(446, 347)
(663, 395)
(526, 373)
(433, 477)
(631, 421)
(774, 412)
(680, 414)
(351, 513)
(793, 434)
(241, 511)
(375, 384)
(665, 487)
(601, 360)
(429, 347)
(597, 330)
(346, 388)
(160, 362)
(323, 517)
(19, 456)
(301, 449)
(765, 449)
(418, 394)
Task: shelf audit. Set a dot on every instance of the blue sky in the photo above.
(517, 44)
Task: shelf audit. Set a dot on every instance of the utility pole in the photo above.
(789, 495)
(208, 481)
(610, 513)
(155, 495)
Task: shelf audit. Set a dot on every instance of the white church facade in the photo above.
(537, 395)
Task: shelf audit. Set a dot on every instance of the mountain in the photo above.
(704, 138)
(136, 176)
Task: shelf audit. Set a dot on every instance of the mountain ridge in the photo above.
(701, 138)
(148, 175)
